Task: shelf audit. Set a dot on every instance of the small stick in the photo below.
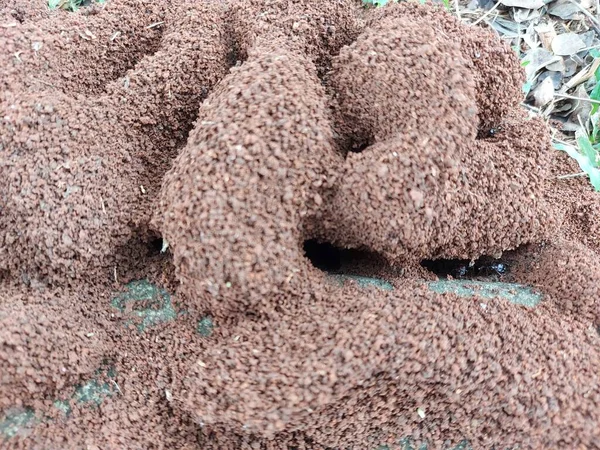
(586, 12)
(582, 76)
(558, 141)
(491, 10)
(589, 48)
(117, 386)
(571, 175)
(531, 108)
(155, 24)
(43, 82)
(572, 97)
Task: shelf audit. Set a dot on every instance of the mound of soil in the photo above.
(220, 222)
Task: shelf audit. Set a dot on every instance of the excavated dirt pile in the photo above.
(245, 225)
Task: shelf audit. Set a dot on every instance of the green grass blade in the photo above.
(592, 172)
(595, 119)
(586, 148)
(595, 53)
(595, 95)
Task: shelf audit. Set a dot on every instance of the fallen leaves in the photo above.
(567, 44)
(543, 93)
(526, 4)
(559, 46)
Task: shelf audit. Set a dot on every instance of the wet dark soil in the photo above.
(222, 225)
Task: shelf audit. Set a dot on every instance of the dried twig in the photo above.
(572, 97)
(571, 175)
(155, 24)
(490, 11)
(582, 76)
(586, 12)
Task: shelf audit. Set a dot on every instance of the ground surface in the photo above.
(254, 224)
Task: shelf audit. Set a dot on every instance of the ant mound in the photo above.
(407, 193)
(233, 226)
(66, 208)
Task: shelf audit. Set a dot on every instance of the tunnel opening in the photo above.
(335, 260)
(359, 147)
(485, 267)
(323, 255)
(155, 246)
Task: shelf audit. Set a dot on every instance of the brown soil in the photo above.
(237, 131)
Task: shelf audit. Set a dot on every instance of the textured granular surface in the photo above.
(220, 221)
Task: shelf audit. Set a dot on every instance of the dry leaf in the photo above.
(526, 15)
(527, 4)
(546, 33)
(530, 37)
(567, 44)
(556, 77)
(507, 28)
(543, 93)
(582, 76)
(589, 38)
(538, 58)
(563, 108)
(522, 15)
(582, 109)
(570, 68)
(565, 9)
(556, 66)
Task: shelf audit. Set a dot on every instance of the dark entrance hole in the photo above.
(154, 245)
(358, 147)
(323, 255)
(484, 267)
(348, 261)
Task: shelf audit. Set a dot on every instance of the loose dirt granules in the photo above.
(196, 196)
